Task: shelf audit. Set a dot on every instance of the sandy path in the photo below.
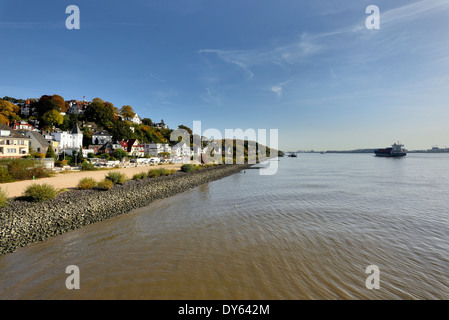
(70, 179)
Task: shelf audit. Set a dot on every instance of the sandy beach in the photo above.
(70, 179)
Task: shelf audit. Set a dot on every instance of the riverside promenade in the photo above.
(70, 179)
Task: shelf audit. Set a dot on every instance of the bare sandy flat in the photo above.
(70, 179)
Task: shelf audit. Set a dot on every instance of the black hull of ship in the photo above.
(389, 155)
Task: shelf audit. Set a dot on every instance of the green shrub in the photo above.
(3, 198)
(189, 167)
(137, 176)
(86, 165)
(40, 192)
(154, 173)
(5, 176)
(39, 172)
(105, 184)
(167, 172)
(21, 169)
(61, 163)
(160, 172)
(116, 177)
(86, 183)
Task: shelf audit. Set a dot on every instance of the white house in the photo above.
(87, 151)
(69, 140)
(22, 126)
(181, 150)
(153, 149)
(160, 125)
(133, 147)
(136, 119)
(76, 107)
(101, 137)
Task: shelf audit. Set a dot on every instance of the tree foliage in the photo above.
(127, 112)
(53, 117)
(8, 111)
(119, 154)
(47, 103)
(50, 153)
(147, 121)
(100, 112)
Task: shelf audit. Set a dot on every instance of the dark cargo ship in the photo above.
(396, 150)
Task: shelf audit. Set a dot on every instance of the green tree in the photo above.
(119, 154)
(13, 100)
(50, 153)
(147, 121)
(70, 120)
(100, 112)
(80, 156)
(121, 131)
(53, 117)
(188, 130)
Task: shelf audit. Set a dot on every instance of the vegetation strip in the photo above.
(23, 222)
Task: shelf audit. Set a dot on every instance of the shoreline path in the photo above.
(70, 179)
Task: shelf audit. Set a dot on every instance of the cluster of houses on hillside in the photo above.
(21, 138)
(79, 107)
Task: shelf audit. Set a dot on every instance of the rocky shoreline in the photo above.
(23, 222)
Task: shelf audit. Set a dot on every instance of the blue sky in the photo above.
(310, 69)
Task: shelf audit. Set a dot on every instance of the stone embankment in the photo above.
(23, 222)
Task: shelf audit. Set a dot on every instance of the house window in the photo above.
(11, 150)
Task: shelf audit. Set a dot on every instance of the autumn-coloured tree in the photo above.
(98, 100)
(8, 111)
(47, 103)
(3, 119)
(127, 112)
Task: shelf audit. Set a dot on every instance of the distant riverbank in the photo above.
(23, 222)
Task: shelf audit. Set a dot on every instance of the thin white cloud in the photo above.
(232, 57)
(291, 54)
(30, 25)
(413, 11)
(308, 45)
(210, 96)
(156, 78)
(277, 90)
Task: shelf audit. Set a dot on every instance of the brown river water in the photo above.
(307, 232)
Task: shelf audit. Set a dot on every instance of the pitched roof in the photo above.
(40, 138)
(128, 144)
(76, 129)
(102, 133)
(13, 133)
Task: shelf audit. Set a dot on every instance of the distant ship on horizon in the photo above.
(396, 150)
